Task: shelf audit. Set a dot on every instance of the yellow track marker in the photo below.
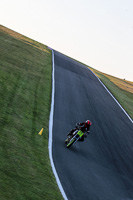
(40, 133)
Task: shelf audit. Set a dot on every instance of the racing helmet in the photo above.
(88, 122)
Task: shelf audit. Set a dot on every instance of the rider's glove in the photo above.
(77, 125)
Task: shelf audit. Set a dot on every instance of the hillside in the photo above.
(25, 91)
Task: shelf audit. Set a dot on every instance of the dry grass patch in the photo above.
(121, 83)
(121, 89)
(23, 38)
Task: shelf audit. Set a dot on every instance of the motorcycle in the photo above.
(72, 139)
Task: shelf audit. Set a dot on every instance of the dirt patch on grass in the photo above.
(121, 89)
(121, 83)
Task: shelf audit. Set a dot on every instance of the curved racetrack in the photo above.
(101, 167)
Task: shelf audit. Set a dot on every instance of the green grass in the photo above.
(25, 99)
(122, 90)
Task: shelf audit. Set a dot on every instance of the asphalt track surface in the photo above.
(101, 167)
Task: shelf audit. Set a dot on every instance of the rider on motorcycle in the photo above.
(84, 127)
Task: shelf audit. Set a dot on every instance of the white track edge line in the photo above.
(112, 96)
(51, 130)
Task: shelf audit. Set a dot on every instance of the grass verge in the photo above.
(122, 90)
(25, 91)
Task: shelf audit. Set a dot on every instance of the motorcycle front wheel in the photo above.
(71, 143)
